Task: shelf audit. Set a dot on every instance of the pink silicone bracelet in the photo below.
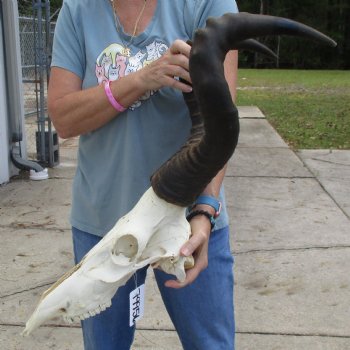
(111, 98)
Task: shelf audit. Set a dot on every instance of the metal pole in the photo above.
(46, 152)
(42, 84)
(47, 67)
(278, 51)
(37, 7)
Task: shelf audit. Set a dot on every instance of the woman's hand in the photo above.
(166, 70)
(197, 246)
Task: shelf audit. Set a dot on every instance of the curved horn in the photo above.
(254, 45)
(184, 176)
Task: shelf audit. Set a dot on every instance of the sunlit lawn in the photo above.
(309, 109)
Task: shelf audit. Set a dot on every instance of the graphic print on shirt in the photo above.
(115, 62)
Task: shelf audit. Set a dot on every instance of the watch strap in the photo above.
(211, 201)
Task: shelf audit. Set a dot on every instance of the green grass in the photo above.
(309, 109)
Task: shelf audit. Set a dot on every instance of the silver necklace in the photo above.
(119, 27)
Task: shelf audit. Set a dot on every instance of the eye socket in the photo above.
(126, 245)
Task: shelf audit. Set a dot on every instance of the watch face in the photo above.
(218, 211)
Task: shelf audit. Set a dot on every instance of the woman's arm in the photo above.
(74, 111)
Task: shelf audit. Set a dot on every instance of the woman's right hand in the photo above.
(75, 111)
(166, 70)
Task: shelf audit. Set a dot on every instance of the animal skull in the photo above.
(151, 233)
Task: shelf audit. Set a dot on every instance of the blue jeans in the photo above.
(202, 312)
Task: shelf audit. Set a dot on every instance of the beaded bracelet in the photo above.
(112, 99)
(194, 213)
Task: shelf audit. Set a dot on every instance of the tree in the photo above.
(331, 17)
(25, 7)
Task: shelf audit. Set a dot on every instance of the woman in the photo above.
(114, 81)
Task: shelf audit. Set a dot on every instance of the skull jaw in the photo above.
(73, 300)
(151, 233)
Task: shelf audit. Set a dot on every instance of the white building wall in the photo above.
(11, 91)
(4, 137)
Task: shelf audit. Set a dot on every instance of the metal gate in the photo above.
(36, 46)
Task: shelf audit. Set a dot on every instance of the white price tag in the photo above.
(137, 304)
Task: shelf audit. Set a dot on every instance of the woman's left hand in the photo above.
(197, 246)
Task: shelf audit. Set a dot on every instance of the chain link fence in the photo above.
(36, 48)
(30, 61)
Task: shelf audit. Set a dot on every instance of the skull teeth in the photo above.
(87, 314)
(69, 320)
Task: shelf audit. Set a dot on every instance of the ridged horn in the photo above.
(211, 143)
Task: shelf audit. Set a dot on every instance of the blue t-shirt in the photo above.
(115, 162)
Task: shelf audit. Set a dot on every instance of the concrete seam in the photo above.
(48, 325)
(318, 335)
(329, 162)
(321, 335)
(323, 187)
(46, 284)
(291, 249)
(37, 227)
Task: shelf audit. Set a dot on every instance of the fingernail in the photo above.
(185, 251)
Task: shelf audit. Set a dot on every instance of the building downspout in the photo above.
(14, 91)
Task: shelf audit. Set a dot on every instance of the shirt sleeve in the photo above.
(202, 9)
(68, 44)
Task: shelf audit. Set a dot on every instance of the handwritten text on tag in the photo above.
(137, 304)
